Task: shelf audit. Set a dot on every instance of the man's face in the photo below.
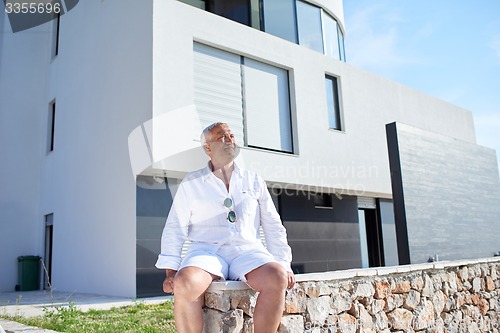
(221, 144)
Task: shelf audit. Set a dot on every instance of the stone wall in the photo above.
(457, 296)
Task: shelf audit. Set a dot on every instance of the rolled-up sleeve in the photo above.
(175, 231)
(274, 231)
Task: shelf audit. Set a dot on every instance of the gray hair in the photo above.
(204, 136)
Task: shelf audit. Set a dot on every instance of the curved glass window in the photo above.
(341, 44)
(309, 26)
(294, 20)
(332, 40)
(279, 19)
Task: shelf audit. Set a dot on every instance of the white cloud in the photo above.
(373, 40)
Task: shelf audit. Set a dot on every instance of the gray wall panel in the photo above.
(321, 239)
(451, 194)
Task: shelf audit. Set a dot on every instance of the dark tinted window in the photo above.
(236, 10)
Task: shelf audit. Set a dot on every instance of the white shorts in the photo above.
(230, 262)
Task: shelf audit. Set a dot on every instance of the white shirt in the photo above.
(198, 214)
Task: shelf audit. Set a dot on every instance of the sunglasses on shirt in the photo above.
(231, 215)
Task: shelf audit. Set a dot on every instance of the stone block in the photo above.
(417, 283)
(244, 300)
(381, 321)
(226, 322)
(363, 289)
(439, 300)
(412, 299)
(437, 327)
(424, 316)
(489, 284)
(295, 300)
(483, 306)
(316, 289)
(474, 271)
(428, 288)
(400, 286)
(400, 319)
(376, 306)
(318, 309)
(449, 305)
(212, 321)
(450, 283)
(476, 284)
(291, 324)
(218, 301)
(382, 289)
(495, 305)
(494, 272)
(341, 302)
(467, 285)
(463, 273)
(485, 270)
(232, 321)
(346, 323)
(247, 325)
(437, 283)
(365, 321)
(393, 301)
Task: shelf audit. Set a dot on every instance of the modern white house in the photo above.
(101, 111)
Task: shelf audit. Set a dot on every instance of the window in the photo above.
(246, 12)
(323, 200)
(309, 26)
(341, 46)
(47, 258)
(51, 126)
(250, 96)
(235, 10)
(55, 35)
(294, 20)
(333, 105)
(279, 19)
(217, 88)
(331, 37)
(267, 106)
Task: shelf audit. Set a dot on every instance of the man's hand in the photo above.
(291, 280)
(168, 283)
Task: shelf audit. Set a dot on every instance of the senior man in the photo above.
(219, 210)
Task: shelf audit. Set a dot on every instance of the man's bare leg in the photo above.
(270, 280)
(190, 284)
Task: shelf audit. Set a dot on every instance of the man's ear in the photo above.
(206, 147)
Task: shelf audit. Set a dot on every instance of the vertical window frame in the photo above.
(336, 113)
(48, 250)
(51, 126)
(56, 26)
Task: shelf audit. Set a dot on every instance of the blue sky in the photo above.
(449, 49)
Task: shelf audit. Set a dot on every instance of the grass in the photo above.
(139, 317)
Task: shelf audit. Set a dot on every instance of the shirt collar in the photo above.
(207, 171)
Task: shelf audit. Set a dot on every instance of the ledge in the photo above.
(359, 272)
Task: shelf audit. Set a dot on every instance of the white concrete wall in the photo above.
(24, 59)
(353, 161)
(101, 81)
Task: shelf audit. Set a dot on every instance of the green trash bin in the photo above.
(29, 273)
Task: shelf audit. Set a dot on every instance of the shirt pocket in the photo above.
(249, 206)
